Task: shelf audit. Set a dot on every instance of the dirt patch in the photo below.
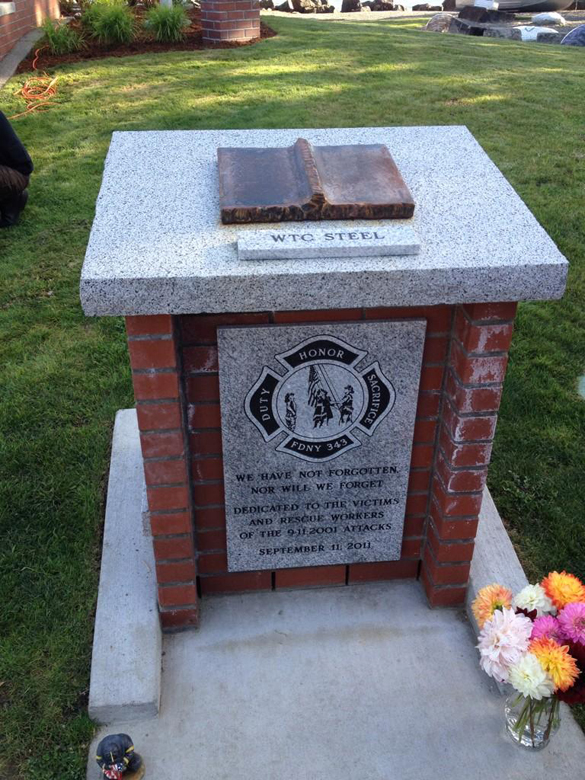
(143, 44)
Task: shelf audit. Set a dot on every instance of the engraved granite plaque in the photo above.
(291, 245)
(317, 425)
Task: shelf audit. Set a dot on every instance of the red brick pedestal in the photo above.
(230, 20)
(175, 373)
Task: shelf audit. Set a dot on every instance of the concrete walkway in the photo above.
(350, 683)
(10, 62)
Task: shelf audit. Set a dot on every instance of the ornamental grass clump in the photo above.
(167, 23)
(535, 641)
(110, 23)
(61, 38)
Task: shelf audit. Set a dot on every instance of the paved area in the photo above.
(338, 684)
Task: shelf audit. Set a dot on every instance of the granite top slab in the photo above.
(158, 246)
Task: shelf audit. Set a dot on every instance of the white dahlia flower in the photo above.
(530, 679)
(534, 597)
(503, 641)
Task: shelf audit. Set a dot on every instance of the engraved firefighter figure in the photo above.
(291, 411)
(319, 398)
(323, 412)
(346, 407)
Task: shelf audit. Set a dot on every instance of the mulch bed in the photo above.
(143, 44)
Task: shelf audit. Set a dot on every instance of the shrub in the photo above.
(109, 22)
(89, 14)
(60, 38)
(167, 23)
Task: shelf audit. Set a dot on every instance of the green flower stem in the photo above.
(531, 714)
(552, 717)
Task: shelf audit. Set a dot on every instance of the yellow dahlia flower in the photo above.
(563, 588)
(557, 661)
(489, 599)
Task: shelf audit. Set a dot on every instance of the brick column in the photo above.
(155, 362)
(230, 20)
(476, 367)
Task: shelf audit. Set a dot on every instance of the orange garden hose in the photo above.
(37, 90)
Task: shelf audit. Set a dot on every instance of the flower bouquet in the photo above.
(535, 641)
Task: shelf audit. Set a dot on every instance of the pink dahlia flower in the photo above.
(548, 627)
(503, 641)
(572, 621)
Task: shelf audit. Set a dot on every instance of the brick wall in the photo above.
(176, 383)
(28, 15)
(230, 20)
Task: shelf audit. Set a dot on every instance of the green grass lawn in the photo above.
(64, 376)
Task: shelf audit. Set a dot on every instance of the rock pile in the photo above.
(491, 23)
(323, 6)
(300, 6)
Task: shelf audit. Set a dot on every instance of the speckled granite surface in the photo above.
(157, 244)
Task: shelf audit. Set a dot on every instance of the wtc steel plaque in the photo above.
(317, 426)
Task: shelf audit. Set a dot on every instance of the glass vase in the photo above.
(531, 723)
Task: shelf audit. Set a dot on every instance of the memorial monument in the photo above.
(316, 400)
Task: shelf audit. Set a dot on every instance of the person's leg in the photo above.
(13, 195)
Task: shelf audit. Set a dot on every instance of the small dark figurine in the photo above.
(116, 757)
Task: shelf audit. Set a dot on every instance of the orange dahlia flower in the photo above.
(557, 661)
(563, 588)
(489, 599)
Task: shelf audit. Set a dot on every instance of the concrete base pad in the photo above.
(126, 658)
(360, 682)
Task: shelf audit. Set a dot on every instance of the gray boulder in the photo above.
(475, 13)
(550, 37)
(547, 18)
(439, 23)
(305, 6)
(527, 32)
(576, 37)
(501, 32)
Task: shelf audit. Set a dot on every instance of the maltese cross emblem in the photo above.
(320, 400)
